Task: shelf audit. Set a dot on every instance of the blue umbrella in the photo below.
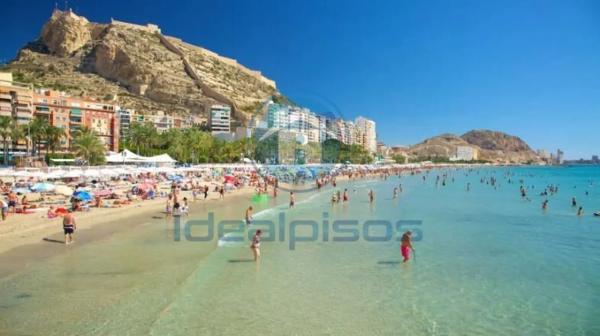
(21, 191)
(43, 187)
(82, 195)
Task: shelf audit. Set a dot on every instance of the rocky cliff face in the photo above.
(146, 70)
(65, 33)
(498, 146)
(439, 146)
(492, 146)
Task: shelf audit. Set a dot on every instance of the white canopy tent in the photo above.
(126, 156)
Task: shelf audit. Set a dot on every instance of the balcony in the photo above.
(24, 114)
(42, 110)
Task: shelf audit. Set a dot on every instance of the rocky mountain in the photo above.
(491, 145)
(139, 66)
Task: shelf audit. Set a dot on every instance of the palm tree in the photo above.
(18, 133)
(87, 146)
(53, 136)
(37, 132)
(5, 133)
(143, 136)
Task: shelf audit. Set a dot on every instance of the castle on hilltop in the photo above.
(150, 28)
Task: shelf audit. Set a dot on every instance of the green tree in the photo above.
(37, 133)
(143, 137)
(87, 146)
(5, 134)
(53, 137)
(19, 133)
(399, 158)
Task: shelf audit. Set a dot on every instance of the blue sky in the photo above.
(418, 68)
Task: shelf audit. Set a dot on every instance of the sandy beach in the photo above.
(19, 230)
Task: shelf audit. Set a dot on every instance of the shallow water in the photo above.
(487, 262)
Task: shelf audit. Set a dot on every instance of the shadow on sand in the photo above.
(240, 260)
(50, 240)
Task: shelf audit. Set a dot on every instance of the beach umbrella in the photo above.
(63, 190)
(83, 195)
(56, 174)
(21, 173)
(174, 177)
(91, 173)
(43, 187)
(21, 191)
(108, 172)
(72, 174)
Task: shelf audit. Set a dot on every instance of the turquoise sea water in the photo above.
(488, 263)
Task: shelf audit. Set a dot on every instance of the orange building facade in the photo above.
(72, 113)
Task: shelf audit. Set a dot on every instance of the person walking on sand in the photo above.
(69, 227)
(222, 192)
(4, 205)
(168, 208)
(255, 246)
(406, 246)
(12, 201)
(249, 216)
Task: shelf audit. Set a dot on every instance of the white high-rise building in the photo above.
(219, 119)
(295, 119)
(369, 134)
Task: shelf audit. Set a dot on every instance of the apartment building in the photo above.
(72, 113)
(368, 133)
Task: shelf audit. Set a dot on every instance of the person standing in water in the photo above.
(395, 193)
(255, 246)
(292, 199)
(371, 196)
(580, 211)
(249, 216)
(69, 227)
(406, 246)
(345, 195)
